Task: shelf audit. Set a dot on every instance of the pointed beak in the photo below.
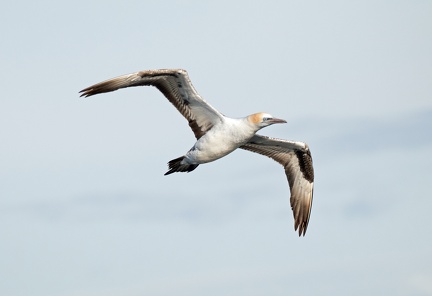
(277, 120)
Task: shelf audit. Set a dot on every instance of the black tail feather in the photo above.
(175, 165)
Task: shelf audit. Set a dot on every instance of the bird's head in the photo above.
(262, 119)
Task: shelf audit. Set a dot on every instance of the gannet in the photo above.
(218, 135)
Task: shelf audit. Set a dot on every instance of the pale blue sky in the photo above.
(85, 209)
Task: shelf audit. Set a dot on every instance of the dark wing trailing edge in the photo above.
(296, 159)
(177, 88)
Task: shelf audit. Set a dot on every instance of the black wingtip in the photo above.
(86, 93)
(301, 228)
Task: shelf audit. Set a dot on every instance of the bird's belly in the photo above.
(210, 151)
(218, 142)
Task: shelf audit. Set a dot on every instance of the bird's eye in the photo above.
(266, 118)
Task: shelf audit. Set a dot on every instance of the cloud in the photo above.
(421, 283)
(364, 136)
(143, 208)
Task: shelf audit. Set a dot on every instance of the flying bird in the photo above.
(218, 135)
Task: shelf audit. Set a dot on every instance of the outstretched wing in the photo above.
(177, 88)
(296, 159)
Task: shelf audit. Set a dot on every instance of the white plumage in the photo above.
(218, 135)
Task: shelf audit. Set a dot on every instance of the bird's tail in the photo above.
(175, 165)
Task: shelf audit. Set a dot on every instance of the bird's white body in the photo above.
(218, 135)
(222, 139)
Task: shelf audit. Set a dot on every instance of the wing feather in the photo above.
(175, 86)
(296, 159)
